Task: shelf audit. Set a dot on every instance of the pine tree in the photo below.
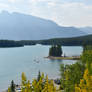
(55, 50)
(39, 75)
(12, 86)
(41, 85)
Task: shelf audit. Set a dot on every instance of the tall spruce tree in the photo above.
(55, 50)
(39, 76)
(12, 86)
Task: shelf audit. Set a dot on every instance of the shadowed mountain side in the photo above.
(17, 26)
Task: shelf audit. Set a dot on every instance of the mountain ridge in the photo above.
(18, 26)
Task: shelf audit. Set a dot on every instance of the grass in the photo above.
(64, 58)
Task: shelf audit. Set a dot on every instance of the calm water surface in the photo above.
(30, 59)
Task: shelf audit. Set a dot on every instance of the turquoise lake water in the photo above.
(30, 59)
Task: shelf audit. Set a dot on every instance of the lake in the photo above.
(30, 59)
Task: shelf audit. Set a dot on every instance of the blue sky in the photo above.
(76, 13)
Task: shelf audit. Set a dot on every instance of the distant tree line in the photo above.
(55, 50)
(10, 43)
(28, 42)
(74, 41)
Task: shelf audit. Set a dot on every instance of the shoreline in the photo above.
(63, 58)
(19, 86)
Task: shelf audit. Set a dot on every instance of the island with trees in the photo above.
(56, 53)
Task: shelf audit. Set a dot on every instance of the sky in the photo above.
(76, 13)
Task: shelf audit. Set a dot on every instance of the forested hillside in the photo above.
(74, 41)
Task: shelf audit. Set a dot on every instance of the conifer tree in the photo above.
(39, 75)
(55, 50)
(12, 86)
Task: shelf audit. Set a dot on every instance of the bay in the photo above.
(30, 59)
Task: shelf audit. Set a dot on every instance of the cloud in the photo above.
(66, 14)
(3, 6)
(75, 14)
(63, 12)
(12, 1)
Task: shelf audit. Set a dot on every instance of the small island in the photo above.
(56, 53)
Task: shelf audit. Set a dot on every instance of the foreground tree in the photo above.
(87, 60)
(78, 77)
(12, 87)
(41, 85)
(39, 76)
(71, 75)
(85, 84)
(24, 79)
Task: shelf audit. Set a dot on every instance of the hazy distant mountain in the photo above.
(17, 26)
(87, 30)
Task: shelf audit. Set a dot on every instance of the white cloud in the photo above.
(51, 4)
(3, 6)
(66, 14)
(76, 14)
(63, 12)
(12, 1)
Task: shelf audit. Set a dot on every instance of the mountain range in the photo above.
(18, 26)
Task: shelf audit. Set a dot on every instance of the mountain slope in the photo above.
(87, 30)
(17, 26)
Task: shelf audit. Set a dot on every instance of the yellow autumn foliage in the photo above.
(85, 83)
(43, 85)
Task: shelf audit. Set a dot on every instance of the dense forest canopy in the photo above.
(10, 43)
(74, 41)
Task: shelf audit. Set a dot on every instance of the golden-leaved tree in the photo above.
(41, 85)
(85, 83)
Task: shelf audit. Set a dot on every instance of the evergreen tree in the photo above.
(55, 50)
(12, 86)
(39, 76)
(43, 85)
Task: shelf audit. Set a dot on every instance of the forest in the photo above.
(75, 41)
(10, 43)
